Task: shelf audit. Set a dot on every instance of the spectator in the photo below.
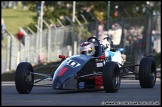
(21, 36)
(100, 31)
(116, 34)
(88, 13)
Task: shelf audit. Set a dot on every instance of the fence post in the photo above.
(37, 43)
(27, 43)
(53, 23)
(9, 50)
(30, 30)
(69, 20)
(60, 23)
(69, 50)
(78, 21)
(49, 42)
(84, 18)
(75, 47)
(18, 54)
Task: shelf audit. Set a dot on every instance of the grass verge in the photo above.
(46, 69)
(14, 18)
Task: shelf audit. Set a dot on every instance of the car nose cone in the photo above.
(56, 85)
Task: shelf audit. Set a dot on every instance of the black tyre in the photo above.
(24, 79)
(111, 77)
(147, 72)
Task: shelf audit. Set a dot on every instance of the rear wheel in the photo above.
(24, 79)
(147, 72)
(111, 77)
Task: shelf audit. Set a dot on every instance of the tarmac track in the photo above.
(130, 93)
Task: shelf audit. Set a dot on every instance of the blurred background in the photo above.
(39, 31)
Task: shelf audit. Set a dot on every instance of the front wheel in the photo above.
(147, 72)
(24, 79)
(111, 77)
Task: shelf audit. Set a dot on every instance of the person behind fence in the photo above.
(21, 36)
(100, 30)
(87, 48)
(115, 33)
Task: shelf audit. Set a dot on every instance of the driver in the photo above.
(113, 53)
(107, 44)
(87, 48)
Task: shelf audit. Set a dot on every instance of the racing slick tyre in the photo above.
(111, 77)
(147, 72)
(24, 79)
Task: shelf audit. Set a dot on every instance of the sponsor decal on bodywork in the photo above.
(62, 71)
(99, 64)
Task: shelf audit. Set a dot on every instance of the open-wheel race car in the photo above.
(81, 72)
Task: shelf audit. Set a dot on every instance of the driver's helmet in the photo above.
(87, 48)
(107, 43)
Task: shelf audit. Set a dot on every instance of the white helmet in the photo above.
(87, 48)
(107, 43)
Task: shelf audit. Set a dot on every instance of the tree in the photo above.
(98, 9)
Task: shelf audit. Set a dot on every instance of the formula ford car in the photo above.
(81, 72)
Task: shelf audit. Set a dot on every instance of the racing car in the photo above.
(83, 72)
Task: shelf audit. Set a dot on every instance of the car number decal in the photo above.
(73, 64)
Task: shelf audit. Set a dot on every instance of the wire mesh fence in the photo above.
(66, 40)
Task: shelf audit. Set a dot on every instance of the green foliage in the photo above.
(98, 10)
(83, 33)
(15, 18)
(8, 76)
(32, 26)
(54, 9)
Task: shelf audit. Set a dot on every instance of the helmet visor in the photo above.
(87, 52)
